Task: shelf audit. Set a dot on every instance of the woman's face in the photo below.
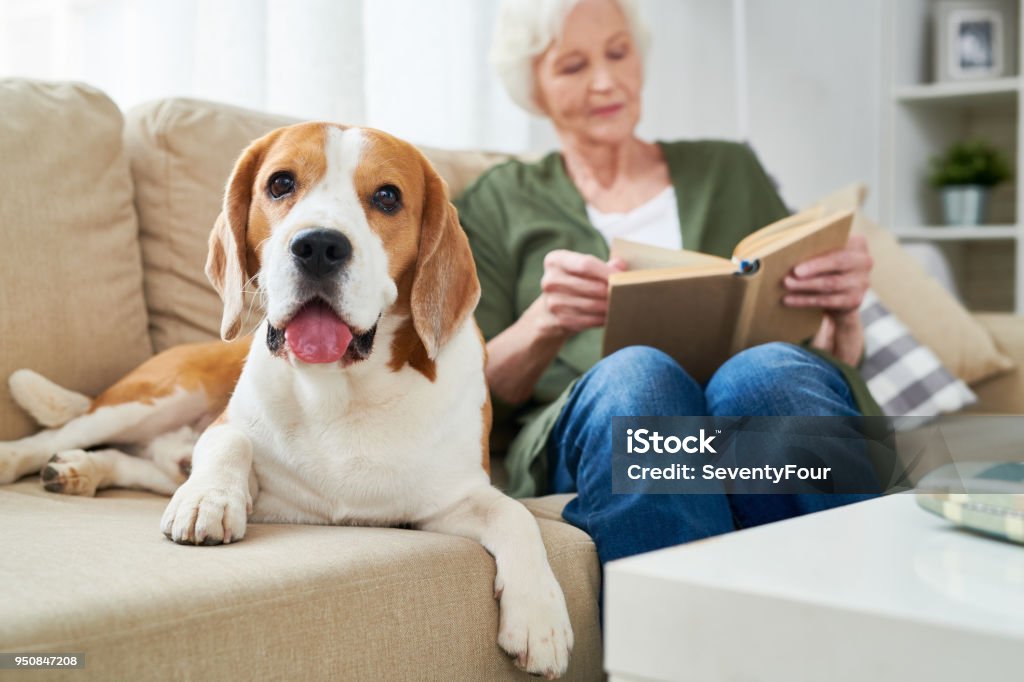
(589, 80)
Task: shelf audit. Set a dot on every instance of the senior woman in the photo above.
(540, 234)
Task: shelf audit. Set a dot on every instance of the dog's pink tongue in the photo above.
(316, 335)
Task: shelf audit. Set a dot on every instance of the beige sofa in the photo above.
(103, 227)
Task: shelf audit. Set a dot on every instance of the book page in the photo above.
(719, 267)
(646, 257)
(757, 240)
(777, 240)
(691, 319)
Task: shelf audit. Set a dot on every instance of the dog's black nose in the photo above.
(321, 252)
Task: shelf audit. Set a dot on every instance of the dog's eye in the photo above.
(387, 198)
(281, 184)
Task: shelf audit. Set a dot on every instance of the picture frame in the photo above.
(974, 40)
(976, 44)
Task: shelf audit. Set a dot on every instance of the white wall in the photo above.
(428, 78)
(815, 86)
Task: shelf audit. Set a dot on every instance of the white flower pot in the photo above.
(964, 204)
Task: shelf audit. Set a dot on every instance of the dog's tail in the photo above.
(51, 405)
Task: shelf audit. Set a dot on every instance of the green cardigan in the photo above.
(516, 213)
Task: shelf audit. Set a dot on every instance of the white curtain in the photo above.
(301, 57)
(415, 68)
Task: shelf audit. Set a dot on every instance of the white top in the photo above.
(655, 222)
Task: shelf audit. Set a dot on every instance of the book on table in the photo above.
(703, 309)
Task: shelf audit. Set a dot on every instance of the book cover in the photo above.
(703, 309)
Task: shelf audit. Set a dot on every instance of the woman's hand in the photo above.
(574, 292)
(574, 297)
(836, 282)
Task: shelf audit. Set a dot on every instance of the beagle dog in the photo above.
(360, 399)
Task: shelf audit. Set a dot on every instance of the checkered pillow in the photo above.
(904, 377)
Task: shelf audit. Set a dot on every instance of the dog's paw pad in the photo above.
(70, 473)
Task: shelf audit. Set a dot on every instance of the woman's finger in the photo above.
(578, 264)
(617, 264)
(845, 260)
(844, 301)
(559, 282)
(579, 322)
(825, 284)
(858, 242)
(563, 305)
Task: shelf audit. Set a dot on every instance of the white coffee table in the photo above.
(876, 591)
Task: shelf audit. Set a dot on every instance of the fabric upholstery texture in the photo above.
(71, 303)
(288, 602)
(1004, 393)
(905, 377)
(934, 317)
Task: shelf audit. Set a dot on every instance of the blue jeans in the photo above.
(772, 379)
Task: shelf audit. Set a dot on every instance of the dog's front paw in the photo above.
(534, 626)
(71, 472)
(205, 514)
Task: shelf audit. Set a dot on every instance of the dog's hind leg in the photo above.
(171, 452)
(49, 404)
(183, 386)
(134, 423)
(77, 472)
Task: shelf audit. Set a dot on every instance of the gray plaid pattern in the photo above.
(904, 377)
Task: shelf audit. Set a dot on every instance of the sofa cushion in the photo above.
(288, 602)
(182, 151)
(1003, 394)
(933, 316)
(905, 377)
(71, 304)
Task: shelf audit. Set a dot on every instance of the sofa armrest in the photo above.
(1004, 393)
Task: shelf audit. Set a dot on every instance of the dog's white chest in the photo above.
(335, 473)
(391, 452)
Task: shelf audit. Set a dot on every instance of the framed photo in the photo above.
(975, 39)
(976, 44)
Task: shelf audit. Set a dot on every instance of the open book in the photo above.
(702, 309)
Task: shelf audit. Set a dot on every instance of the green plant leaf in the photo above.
(971, 162)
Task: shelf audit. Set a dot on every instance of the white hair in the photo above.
(526, 28)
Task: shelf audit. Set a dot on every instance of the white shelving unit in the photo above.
(921, 119)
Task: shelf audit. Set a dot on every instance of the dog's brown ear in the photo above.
(226, 259)
(445, 288)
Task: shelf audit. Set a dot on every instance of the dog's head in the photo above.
(339, 227)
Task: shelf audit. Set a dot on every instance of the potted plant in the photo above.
(965, 174)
